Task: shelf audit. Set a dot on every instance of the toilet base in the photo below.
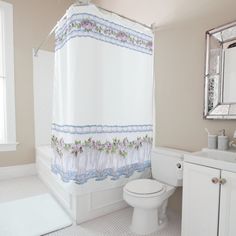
(145, 221)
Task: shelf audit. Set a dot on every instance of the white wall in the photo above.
(43, 70)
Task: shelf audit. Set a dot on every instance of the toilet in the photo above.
(149, 197)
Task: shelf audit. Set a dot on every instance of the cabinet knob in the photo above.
(222, 181)
(215, 180)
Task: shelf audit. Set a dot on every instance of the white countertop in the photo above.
(224, 160)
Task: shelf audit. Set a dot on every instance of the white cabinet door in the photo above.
(200, 201)
(227, 223)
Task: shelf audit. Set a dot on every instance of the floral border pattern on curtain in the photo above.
(88, 25)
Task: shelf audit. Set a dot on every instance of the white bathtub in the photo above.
(87, 201)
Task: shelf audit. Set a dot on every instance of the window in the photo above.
(7, 93)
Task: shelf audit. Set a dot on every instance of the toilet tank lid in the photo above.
(170, 151)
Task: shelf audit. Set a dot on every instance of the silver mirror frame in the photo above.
(214, 108)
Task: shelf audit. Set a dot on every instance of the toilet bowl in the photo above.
(149, 197)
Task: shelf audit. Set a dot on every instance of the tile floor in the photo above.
(115, 224)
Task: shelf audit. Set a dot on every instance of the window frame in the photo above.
(10, 141)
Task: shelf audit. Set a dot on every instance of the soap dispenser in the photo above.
(223, 141)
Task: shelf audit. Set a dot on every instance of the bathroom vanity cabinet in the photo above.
(209, 194)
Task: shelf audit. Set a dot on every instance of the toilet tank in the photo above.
(167, 165)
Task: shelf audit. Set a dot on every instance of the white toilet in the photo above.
(149, 197)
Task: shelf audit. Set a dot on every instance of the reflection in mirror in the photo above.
(220, 73)
(229, 95)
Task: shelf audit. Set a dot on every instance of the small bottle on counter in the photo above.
(223, 141)
(212, 141)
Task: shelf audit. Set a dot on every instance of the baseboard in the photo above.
(11, 172)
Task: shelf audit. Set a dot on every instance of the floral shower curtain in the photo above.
(103, 96)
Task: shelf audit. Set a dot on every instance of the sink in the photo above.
(225, 160)
(229, 156)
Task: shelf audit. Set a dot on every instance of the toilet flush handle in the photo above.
(178, 165)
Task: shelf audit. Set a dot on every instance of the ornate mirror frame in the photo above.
(216, 39)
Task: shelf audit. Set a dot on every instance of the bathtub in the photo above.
(87, 201)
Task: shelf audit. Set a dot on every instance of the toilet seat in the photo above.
(145, 188)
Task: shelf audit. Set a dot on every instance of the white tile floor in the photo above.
(115, 224)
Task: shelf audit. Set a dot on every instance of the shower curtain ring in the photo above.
(83, 2)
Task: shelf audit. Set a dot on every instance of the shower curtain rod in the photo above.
(86, 4)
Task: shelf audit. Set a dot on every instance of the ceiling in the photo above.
(164, 12)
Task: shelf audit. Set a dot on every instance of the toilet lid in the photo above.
(144, 186)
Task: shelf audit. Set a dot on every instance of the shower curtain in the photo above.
(103, 96)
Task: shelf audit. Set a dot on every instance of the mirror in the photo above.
(220, 73)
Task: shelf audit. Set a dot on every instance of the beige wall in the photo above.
(180, 86)
(33, 19)
(179, 68)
